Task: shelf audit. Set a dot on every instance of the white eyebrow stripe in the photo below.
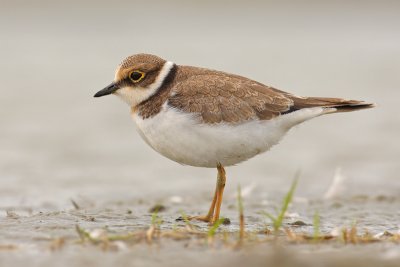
(165, 70)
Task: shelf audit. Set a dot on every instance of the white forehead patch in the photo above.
(134, 96)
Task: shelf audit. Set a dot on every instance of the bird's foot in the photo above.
(208, 219)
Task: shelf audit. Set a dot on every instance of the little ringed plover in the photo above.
(208, 118)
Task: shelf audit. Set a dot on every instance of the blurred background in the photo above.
(58, 142)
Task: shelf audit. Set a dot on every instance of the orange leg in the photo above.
(221, 180)
(215, 208)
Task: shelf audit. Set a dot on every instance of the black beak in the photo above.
(108, 90)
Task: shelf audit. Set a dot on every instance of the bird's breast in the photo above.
(181, 137)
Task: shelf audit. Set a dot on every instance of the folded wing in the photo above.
(234, 99)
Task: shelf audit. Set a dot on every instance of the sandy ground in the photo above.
(58, 143)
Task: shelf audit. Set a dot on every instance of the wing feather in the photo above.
(228, 99)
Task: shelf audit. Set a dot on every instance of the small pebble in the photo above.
(226, 221)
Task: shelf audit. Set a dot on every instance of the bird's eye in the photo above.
(136, 76)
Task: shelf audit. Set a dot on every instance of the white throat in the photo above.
(134, 96)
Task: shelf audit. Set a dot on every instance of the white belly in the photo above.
(181, 138)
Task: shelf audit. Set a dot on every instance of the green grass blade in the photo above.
(213, 229)
(286, 201)
(278, 221)
(316, 224)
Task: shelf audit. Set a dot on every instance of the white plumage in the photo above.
(182, 138)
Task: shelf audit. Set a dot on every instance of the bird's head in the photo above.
(137, 78)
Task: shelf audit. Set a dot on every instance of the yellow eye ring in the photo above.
(136, 76)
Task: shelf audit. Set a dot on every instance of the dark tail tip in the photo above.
(354, 107)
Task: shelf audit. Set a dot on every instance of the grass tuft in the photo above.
(277, 221)
(213, 229)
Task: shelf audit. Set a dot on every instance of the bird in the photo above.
(207, 118)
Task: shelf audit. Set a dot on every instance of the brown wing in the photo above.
(232, 99)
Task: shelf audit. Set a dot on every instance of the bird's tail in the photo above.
(331, 105)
